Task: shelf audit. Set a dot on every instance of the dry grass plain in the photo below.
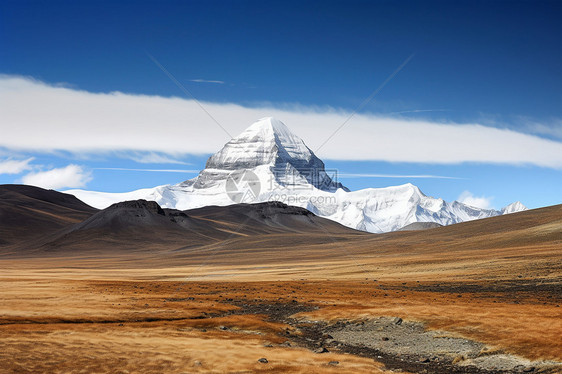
(496, 281)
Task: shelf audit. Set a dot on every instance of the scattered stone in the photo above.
(397, 321)
(321, 350)
(385, 338)
(333, 363)
(424, 360)
(223, 328)
(263, 360)
(458, 359)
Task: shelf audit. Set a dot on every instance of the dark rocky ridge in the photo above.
(150, 206)
(126, 215)
(33, 219)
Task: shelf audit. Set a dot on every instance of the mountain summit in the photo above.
(267, 162)
(272, 151)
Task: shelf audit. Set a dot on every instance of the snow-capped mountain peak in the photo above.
(272, 130)
(269, 149)
(514, 208)
(266, 142)
(277, 165)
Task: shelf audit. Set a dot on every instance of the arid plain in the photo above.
(287, 296)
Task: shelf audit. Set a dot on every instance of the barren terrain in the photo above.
(477, 297)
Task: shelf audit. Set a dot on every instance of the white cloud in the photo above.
(183, 171)
(155, 158)
(206, 81)
(553, 129)
(10, 166)
(475, 201)
(40, 117)
(71, 176)
(407, 176)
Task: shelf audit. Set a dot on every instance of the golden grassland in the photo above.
(496, 281)
(58, 325)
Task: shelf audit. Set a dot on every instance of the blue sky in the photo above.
(495, 63)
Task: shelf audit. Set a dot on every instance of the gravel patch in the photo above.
(393, 336)
(386, 335)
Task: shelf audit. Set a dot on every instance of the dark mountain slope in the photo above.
(28, 212)
(34, 220)
(144, 225)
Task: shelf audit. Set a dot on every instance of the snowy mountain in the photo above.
(513, 208)
(267, 162)
(268, 147)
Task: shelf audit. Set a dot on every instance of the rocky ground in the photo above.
(400, 345)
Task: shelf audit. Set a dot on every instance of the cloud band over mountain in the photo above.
(41, 117)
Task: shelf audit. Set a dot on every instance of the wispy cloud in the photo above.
(155, 158)
(206, 81)
(10, 166)
(415, 176)
(152, 170)
(79, 121)
(71, 176)
(482, 202)
(420, 111)
(553, 128)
